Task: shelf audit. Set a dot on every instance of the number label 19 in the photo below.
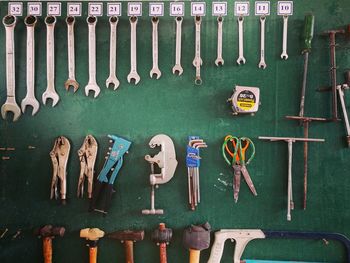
(135, 9)
(219, 8)
(74, 9)
(53, 9)
(156, 9)
(241, 8)
(177, 9)
(262, 8)
(95, 9)
(114, 9)
(285, 8)
(15, 9)
(34, 9)
(198, 9)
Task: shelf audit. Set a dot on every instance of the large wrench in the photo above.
(10, 105)
(197, 61)
(262, 63)
(284, 54)
(241, 59)
(30, 100)
(50, 92)
(155, 69)
(178, 68)
(71, 82)
(133, 75)
(92, 85)
(219, 60)
(112, 79)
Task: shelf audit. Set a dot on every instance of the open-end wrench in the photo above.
(155, 69)
(262, 63)
(219, 60)
(133, 75)
(241, 59)
(112, 79)
(71, 81)
(284, 54)
(92, 85)
(10, 105)
(177, 69)
(50, 92)
(197, 61)
(30, 100)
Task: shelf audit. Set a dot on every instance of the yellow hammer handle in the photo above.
(93, 254)
(194, 256)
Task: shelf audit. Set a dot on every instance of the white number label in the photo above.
(74, 9)
(198, 9)
(285, 8)
(241, 8)
(177, 9)
(34, 9)
(15, 9)
(114, 9)
(54, 9)
(219, 9)
(156, 9)
(95, 9)
(262, 8)
(134, 9)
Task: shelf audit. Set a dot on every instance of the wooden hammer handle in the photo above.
(162, 252)
(47, 249)
(93, 254)
(194, 256)
(129, 251)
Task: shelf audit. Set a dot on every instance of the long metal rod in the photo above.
(290, 204)
(290, 139)
(345, 114)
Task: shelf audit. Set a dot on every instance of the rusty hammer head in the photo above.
(50, 231)
(127, 235)
(92, 235)
(197, 237)
(162, 234)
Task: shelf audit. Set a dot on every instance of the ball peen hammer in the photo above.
(162, 236)
(128, 237)
(92, 235)
(47, 233)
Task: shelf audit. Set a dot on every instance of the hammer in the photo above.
(162, 236)
(195, 239)
(48, 232)
(92, 235)
(128, 237)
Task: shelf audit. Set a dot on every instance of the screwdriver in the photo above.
(308, 34)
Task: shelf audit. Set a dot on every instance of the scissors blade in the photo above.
(248, 180)
(237, 181)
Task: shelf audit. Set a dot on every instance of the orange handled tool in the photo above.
(92, 235)
(162, 236)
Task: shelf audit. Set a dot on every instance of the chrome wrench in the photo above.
(262, 63)
(30, 100)
(155, 69)
(241, 59)
(197, 61)
(177, 69)
(71, 81)
(112, 79)
(133, 75)
(92, 85)
(284, 54)
(10, 105)
(219, 60)
(50, 92)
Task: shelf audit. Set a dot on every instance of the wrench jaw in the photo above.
(10, 107)
(155, 73)
(219, 62)
(284, 56)
(198, 81)
(30, 102)
(71, 83)
(50, 95)
(92, 87)
(112, 81)
(241, 61)
(133, 77)
(262, 65)
(177, 69)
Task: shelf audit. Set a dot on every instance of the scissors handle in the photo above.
(226, 150)
(244, 149)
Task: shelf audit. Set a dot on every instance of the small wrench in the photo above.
(241, 59)
(50, 92)
(10, 105)
(197, 61)
(30, 100)
(155, 69)
(219, 60)
(92, 85)
(177, 69)
(71, 82)
(133, 75)
(284, 54)
(112, 79)
(262, 63)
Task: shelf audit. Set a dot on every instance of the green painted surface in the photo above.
(175, 106)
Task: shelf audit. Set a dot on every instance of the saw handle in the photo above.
(93, 254)
(47, 249)
(194, 255)
(162, 253)
(129, 251)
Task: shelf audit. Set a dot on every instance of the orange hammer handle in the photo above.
(47, 249)
(194, 256)
(93, 254)
(129, 251)
(162, 252)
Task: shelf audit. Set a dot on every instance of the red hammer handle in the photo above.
(47, 249)
(162, 252)
(93, 254)
(129, 251)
